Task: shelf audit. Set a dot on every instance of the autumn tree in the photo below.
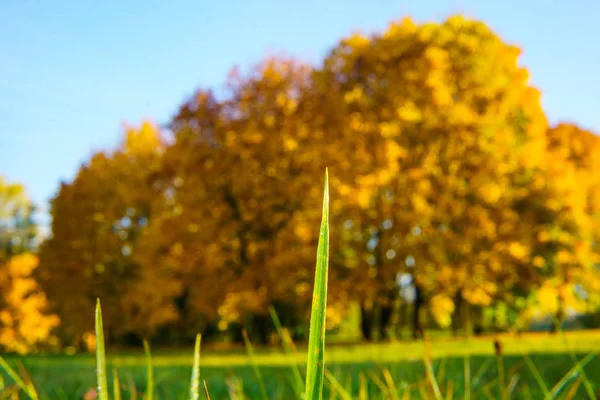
(244, 193)
(575, 159)
(445, 142)
(96, 222)
(18, 230)
(24, 324)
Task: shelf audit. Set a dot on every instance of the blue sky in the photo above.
(71, 72)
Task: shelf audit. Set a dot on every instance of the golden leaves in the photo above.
(25, 324)
(442, 307)
(146, 139)
(409, 112)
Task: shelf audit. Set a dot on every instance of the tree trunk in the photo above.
(261, 325)
(236, 333)
(458, 314)
(400, 319)
(417, 323)
(385, 316)
(366, 324)
(558, 320)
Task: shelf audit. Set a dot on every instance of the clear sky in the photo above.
(71, 72)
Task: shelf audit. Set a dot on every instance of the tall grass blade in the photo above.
(28, 389)
(406, 394)
(288, 346)
(450, 390)
(149, 372)
(132, 388)
(501, 377)
(116, 386)
(100, 355)
(488, 393)
(536, 375)
(378, 382)
(467, 377)
(587, 384)
(527, 393)
(390, 384)
(26, 378)
(573, 390)
(316, 341)
(431, 378)
(584, 379)
(195, 381)
(569, 375)
(337, 387)
(363, 390)
(479, 373)
(261, 383)
(206, 391)
(512, 384)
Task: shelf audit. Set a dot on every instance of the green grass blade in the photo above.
(132, 388)
(479, 373)
(501, 377)
(116, 386)
(316, 341)
(261, 383)
(587, 384)
(431, 378)
(28, 389)
(467, 374)
(570, 375)
(573, 390)
(206, 391)
(393, 390)
(337, 387)
(195, 383)
(362, 389)
(100, 355)
(288, 347)
(27, 379)
(149, 372)
(536, 375)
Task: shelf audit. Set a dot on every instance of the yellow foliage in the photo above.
(442, 307)
(144, 140)
(518, 251)
(548, 299)
(24, 324)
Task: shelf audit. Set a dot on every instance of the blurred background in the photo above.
(168, 158)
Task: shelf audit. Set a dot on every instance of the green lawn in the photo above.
(381, 366)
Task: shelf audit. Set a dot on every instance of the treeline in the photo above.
(453, 201)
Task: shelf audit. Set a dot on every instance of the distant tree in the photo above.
(96, 222)
(18, 230)
(238, 227)
(445, 143)
(24, 323)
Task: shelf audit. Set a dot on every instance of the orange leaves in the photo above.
(442, 308)
(145, 140)
(24, 323)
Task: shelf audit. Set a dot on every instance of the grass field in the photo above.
(381, 368)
